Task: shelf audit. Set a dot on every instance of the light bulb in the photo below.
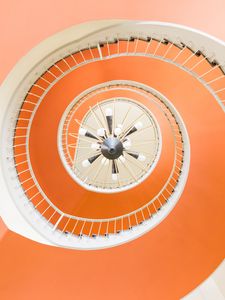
(82, 131)
(101, 132)
(141, 157)
(108, 112)
(138, 125)
(117, 131)
(85, 163)
(114, 177)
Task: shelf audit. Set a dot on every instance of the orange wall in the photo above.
(25, 23)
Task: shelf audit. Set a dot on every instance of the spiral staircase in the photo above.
(110, 128)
